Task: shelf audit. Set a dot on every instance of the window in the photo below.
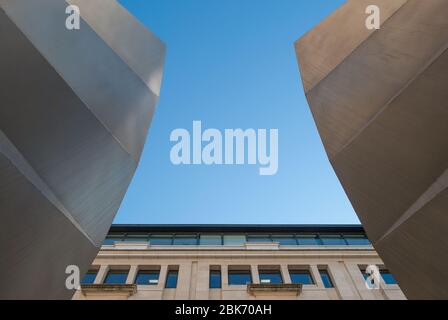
(171, 279)
(239, 277)
(270, 277)
(111, 239)
(364, 274)
(210, 240)
(308, 240)
(285, 240)
(215, 279)
(147, 278)
(136, 238)
(326, 279)
(116, 277)
(185, 240)
(301, 276)
(357, 240)
(89, 278)
(388, 278)
(161, 240)
(234, 240)
(259, 238)
(332, 240)
(370, 282)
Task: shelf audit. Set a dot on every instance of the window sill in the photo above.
(273, 289)
(119, 289)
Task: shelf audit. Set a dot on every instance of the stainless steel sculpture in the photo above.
(379, 99)
(75, 108)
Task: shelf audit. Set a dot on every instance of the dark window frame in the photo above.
(390, 277)
(304, 271)
(326, 278)
(268, 273)
(220, 235)
(168, 236)
(186, 236)
(337, 236)
(169, 282)
(123, 272)
(239, 272)
(90, 272)
(213, 275)
(299, 237)
(146, 272)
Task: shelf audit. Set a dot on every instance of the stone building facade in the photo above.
(212, 262)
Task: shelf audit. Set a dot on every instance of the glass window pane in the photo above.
(326, 278)
(285, 240)
(148, 278)
(215, 279)
(188, 240)
(308, 240)
(89, 278)
(259, 238)
(136, 238)
(116, 277)
(161, 240)
(239, 277)
(301, 276)
(210, 240)
(357, 240)
(270, 277)
(332, 240)
(234, 240)
(388, 278)
(110, 240)
(171, 279)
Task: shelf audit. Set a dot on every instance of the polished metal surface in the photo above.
(75, 109)
(379, 100)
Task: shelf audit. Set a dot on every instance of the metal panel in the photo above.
(73, 122)
(382, 116)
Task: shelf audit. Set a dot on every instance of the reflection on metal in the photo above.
(75, 109)
(379, 99)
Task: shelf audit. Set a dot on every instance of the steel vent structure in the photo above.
(75, 109)
(379, 100)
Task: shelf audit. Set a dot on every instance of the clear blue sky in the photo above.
(231, 64)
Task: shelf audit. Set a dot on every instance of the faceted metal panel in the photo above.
(420, 244)
(75, 110)
(381, 113)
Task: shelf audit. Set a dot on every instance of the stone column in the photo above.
(254, 273)
(343, 281)
(183, 281)
(102, 272)
(285, 274)
(202, 281)
(359, 283)
(162, 276)
(316, 276)
(132, 274)
(225, 275)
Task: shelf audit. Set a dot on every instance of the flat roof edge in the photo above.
(283, 228)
